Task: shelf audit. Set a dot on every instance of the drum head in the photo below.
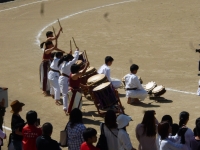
(158, 89)
(101, 86)
(96, 78)
(150, 85)
(79, 62)
(80, 53)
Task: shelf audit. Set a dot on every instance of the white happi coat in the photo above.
(104, 69)
(132, 81)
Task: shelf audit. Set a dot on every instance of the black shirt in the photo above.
(17, 123)
(46, 143)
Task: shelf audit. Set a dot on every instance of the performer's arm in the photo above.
(75, 57)
(47, 51)
(55, 37)
(60, 50)
(137, 81)
(108, 74)
(77, 75)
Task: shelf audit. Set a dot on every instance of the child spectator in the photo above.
(196, 122)
(195, 142)
(45, 142)
(90, 137)
(30, 132)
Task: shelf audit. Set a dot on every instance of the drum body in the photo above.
(105, 95)
(150, 86)
(91, 71)
(159, 90)
(80, 64)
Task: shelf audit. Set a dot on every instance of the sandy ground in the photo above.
(155, 34)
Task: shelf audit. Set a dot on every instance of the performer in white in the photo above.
(67, 61)
(134, 88)
(104, 69)
(198, 90)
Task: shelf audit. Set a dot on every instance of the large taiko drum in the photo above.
(94, 81)
(105, 95)
(91, 71)
(80, 64)
(159, 90)
(150, 86)
(81, 56)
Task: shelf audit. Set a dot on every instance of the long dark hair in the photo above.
(75, 117)
(67, 58)
(149, 123)
(110, 119)
(46, 44)
(183, 118)
(163, 129)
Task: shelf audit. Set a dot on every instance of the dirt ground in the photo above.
(155, 34)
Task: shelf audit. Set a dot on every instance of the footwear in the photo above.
(57, 102)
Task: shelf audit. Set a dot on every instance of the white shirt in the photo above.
(2, 135)
(104, 69)
(132, 81)
(167, 144)
(124, 142)
(54, 64)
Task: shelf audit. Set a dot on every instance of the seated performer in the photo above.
(75, 86)
(134, 88)
(104, 69)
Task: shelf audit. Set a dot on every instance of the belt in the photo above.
(63, 74)
(54, 70)
(128, 89)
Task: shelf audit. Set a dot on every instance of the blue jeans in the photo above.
(17, 144)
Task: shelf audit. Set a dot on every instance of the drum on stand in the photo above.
(94, 81)
(80, 64)
(150, 86)
(91, 71)
(105, 97)
(159, 90)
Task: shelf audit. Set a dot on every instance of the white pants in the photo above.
(63, 82)
(55, 88)
(139, 93)
(116, 83)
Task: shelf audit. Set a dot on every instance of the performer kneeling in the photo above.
(134, 88)
(104, 69)
(75, 86)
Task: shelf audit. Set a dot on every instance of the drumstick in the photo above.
(86, 57)
(74, 42)
(60, 24)
(54, 31)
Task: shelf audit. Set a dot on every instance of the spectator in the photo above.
(30, 132)
(45, 142)
(124, 141)
(110, 130)
(195, 142)
(90, 137)
(75, 128)
(2, 136)
(146, 131)
(188, 135)
(164, 129)
(17, 124)
(194, 130)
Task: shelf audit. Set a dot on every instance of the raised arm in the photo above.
(55, 37)
(47, 51)
(75, 57)
(76, 76)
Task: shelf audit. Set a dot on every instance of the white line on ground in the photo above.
(22, 5)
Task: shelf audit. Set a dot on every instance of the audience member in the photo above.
(17, 124)
(164, 129)
(45, 142)
(195, 142)
(90, 137)
(30, 132)
(194, 130)
(124, 141)
(75, 128)
(146, 131)
(111, 130)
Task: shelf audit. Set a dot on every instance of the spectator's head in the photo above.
(16, 106)
(90, 135)
(175, 129)
(110, 119)
(164, 129)
(134, 68)
(167, 118)
(49, 34)
(75, 117)
(66, 58)
(31, 117)
(183, 118)
(47, 129)
(75, 68)
(149, 122)
(108, 60)
(123, 121)
(59, 54)
(197, 121)
(198, 129)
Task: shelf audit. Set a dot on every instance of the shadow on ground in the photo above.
(4, 1)
(161, 100)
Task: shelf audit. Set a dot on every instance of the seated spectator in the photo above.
(164, 129)
(194, 130)
(146, 131)
(111, 130)
(90, 137)
(30, 132)
(45, 142)
(124, 141)
(75, 128)
(195, 142)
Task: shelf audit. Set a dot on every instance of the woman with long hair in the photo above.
(75, 128)
(66, 62)
(146, 131)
